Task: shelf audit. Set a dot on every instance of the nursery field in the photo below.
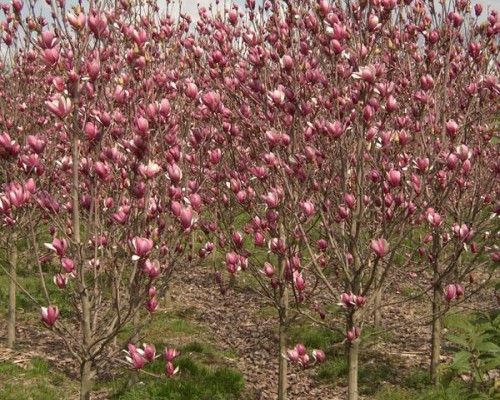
(288, 199)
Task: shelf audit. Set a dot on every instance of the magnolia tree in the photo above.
(102, 152)
(344, 143)
(16, 190)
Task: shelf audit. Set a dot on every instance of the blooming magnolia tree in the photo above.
(102, 153)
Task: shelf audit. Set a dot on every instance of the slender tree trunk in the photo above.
(134, 376)
(86, 377)
(84, 297)
(353, 370)
(11, 320)
(436, 331)
(378, 296)
(283, 362)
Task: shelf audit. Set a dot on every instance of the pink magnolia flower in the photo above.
(59, 246)
(98, 23)
(150, 170)
(17, 194)
(433, 218)
(50, 56)
(76, 21)
(380, 247)
(135, 357)
(450, 292)
(49, 315)
(61, 280)
(171, 354)
(59, 105)
(170, 370)
(141, 247)
(149, 352)
(366, 73)
(186, 217)
(292, 355)
(211, 100)
(394, 177)
(348, 300)
(269, 270)
(319, 356)
(307, 208)
(152, 305)
(191, 90)
(300, 283)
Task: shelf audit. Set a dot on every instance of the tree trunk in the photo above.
(352, 385)
(283, 362)
(86, 376)
(136, 320)
(378, 296)
(11, 320)
(436, 332)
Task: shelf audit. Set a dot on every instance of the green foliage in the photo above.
(194, 382)
(38, 382)
(373, 375)
(474, 342)
(313, 337)
(333, 369)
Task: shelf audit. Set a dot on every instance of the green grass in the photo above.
(38, 382)
(454, 392)
(313, 337)
(416, 385)
(333, 369)
(195, 381)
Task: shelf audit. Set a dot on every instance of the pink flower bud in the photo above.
(380, 247)
(191, 90)
(60, 280)
(350, 336)
(186, 217)
(319, 356)
(301, 349)
(170, 370)
(211, 100)
(300, 283)
(350, 200)
(307, 208)
(68, 265)
(49, 315)
(152, 305)
(293, 355)
(348, 299)
(451, 128)
(269, 270)
(394, 178)
(450, 292)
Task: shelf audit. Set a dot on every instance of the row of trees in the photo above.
(327, 148)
